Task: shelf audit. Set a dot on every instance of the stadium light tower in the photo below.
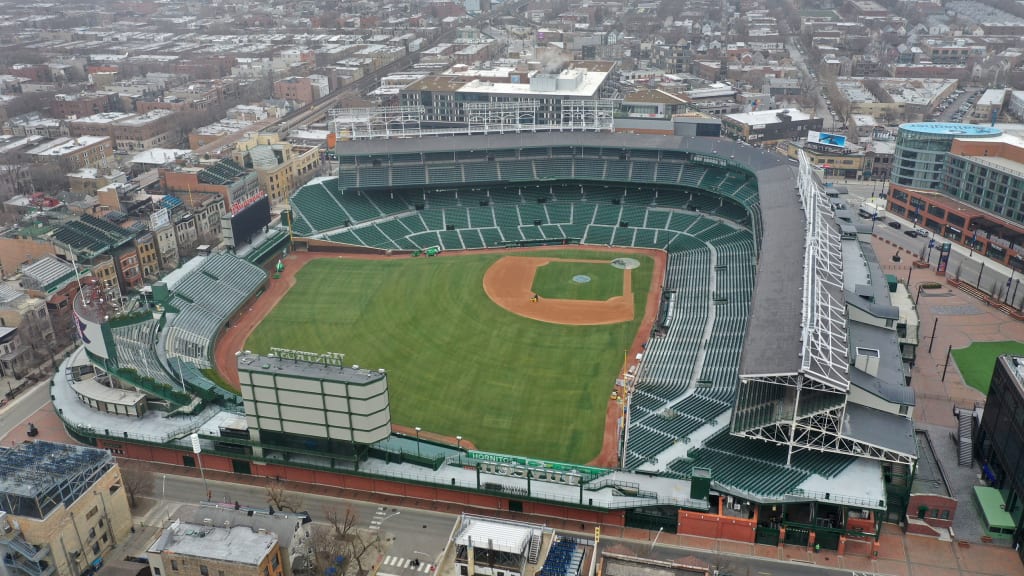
(418, 430)
(458, 440)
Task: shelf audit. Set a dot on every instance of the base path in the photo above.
(509, 283)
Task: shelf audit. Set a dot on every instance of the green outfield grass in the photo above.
(555, 280)
(977, 361)
(457, 363)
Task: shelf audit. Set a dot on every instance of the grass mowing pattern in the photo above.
(554, 280)
(977, 361)
(458, 363)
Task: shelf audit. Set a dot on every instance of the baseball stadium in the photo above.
(662, 332)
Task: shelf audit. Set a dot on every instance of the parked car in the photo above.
(911, 233)
(895, 225)
(922, 232)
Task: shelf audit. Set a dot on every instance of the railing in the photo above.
(838, 498)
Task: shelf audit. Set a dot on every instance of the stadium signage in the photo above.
(326, 358)
(531, 463)
(239, 205)
(709, 160)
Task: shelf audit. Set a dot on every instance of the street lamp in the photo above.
(418, 430)
(651, 550)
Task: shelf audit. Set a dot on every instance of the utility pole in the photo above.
(932, 341)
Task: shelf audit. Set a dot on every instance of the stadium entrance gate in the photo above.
(828, 539)
(797, 536)
(652, 521)
(766, 535)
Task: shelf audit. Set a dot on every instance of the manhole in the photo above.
(581, 278)
(626, 263)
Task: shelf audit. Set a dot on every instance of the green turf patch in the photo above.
(556, 280)
(977, 361)
(458, 364)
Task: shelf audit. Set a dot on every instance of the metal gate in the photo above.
(828, 540)
(797, 536)
(765, 535)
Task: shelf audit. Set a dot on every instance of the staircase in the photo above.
(965, 445)
(534, 554)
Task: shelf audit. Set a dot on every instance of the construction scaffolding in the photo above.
(36, 477)
(480, 118)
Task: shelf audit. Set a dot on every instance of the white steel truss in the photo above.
(824, 349)
(806, 410)
(480, 118)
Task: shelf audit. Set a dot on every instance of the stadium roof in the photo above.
(772, 343)
(493, 534)
(878, 428)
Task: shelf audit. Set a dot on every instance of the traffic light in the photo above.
(597, 534)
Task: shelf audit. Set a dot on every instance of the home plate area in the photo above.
(404, 565)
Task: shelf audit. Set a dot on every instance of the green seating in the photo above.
(450, 240)
(558, 212)
(451, 174)
(481, 216)
(645, 238)
(414, 223)
(531, 232)
(433, 218)
(471, 239)
(657, 219)
(456, 217)
(491, 237)
(623, 236)
(607, 215)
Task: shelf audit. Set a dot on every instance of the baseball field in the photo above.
(458, 362)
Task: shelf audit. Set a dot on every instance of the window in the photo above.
(203, 570)
(275, 562)
(156, 571)
(91, 513)
(945, 514)
(174, 565)
(95, 547)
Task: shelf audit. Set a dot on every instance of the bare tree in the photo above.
(325, 548)
(363, 547)
(136, 480)
(281, 499)
(338, 538)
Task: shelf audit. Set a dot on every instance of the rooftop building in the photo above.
(201, 549)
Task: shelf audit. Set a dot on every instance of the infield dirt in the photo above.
(509, 283)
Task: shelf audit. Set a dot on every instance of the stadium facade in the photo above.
(772, 406)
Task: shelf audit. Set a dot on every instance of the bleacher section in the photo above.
(664, 407)
(204, 300)
(564, 558)
(136, 351)
(757, 467)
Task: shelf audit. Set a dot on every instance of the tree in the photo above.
(339, 537)
(281, 499)
(136, 480)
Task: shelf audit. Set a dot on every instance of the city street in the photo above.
(973, 268)
(422, 534)
(17, 412)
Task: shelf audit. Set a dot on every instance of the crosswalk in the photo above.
(379, 516)
(403, 566)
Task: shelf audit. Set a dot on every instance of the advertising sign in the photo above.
(940, 268)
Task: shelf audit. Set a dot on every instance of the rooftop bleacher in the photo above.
(204, 300)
